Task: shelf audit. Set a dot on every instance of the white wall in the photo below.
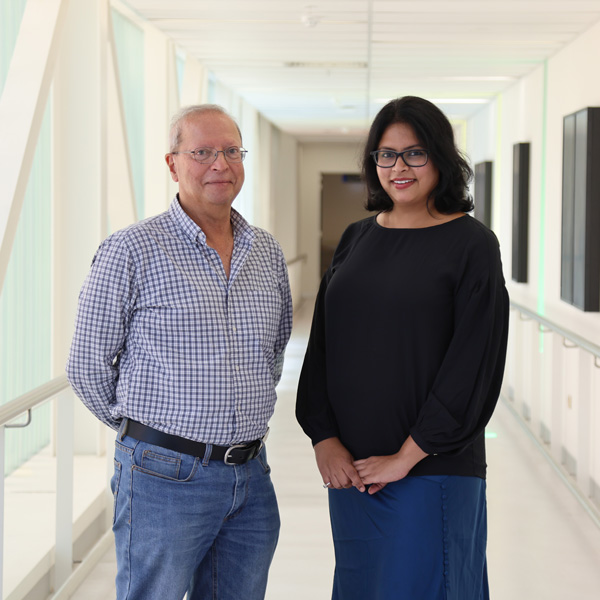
(556, 386)
(517, 116)
(314, 159)
(280, 207)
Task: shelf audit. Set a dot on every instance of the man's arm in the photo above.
(104, 310)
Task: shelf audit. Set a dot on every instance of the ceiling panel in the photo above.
(322, 68)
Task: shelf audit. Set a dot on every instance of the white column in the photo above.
(64, 489)
(79, 176)
(194, 82)
(159, 55)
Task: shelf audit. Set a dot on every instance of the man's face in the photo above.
(205, 187)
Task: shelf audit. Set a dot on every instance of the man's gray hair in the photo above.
(183, 113)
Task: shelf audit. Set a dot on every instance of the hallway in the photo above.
(542, 542)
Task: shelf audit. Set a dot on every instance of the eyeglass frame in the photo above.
(192, 153)
(374, 153)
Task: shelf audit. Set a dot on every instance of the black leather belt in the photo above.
(238, 454)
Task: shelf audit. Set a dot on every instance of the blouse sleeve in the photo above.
(466, 389)
(313, 410)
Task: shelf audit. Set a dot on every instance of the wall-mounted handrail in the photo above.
(9, 412)
(570, 340)
(297, 259)
(13, 409)
(582, 343)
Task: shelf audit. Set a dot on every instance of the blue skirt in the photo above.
(421, 538)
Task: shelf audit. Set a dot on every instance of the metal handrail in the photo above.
(565, 333)
(574, 341)
(16, 407)
(299, 258)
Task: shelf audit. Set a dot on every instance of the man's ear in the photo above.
(172, 168)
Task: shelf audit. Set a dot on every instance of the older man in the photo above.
(179, 340)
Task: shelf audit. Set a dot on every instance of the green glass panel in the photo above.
(25, 306)
(129, 40)
(25, 300)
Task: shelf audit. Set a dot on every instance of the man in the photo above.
(179, 340)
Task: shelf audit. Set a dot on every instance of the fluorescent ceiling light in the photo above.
(325, 65)
(443, 100)
(458, 100)
(477, 78)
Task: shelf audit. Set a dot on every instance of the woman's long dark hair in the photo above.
(434, 132)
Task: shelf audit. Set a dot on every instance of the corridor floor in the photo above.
(542, 542)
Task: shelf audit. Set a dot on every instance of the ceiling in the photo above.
(323, 68)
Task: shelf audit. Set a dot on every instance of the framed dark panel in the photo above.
(520, 226)
(568, 208)
(580, 278)
(483, 193)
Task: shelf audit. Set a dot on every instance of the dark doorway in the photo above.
(343, 199)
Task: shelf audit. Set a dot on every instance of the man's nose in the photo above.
(220, 162)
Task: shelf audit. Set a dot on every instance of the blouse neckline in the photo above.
(416, 228)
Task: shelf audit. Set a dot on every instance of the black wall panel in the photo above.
(520, 224)
(580, 260)
(483, 192)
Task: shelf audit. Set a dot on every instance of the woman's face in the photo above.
(406, 186)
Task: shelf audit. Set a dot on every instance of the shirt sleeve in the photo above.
(103, 315)
(466, 389)
(285, 322)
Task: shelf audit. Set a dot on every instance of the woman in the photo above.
(403, 370)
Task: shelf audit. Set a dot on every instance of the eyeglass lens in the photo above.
(388, 158)
(209, 155)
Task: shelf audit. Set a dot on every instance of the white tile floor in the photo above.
(542, 543)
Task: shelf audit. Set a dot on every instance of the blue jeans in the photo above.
(184, 524)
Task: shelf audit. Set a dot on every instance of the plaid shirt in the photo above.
(164, 338)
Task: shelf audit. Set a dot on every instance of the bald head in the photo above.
(182, 115)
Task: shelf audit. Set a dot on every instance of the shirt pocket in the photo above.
(262, 309)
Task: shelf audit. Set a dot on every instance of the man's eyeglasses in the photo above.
(207, 156)
(388, 158)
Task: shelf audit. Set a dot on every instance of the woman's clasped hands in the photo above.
(339, 470)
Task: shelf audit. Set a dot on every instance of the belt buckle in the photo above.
(228, 452)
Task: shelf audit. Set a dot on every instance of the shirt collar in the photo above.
(242, 230)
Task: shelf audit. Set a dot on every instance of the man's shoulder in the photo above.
(263, 235)
(140, 232)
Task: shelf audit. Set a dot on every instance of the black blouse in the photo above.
(408, 337)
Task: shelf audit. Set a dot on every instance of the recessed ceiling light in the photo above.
(442, 100)
(477, 78)
(458, 100)
(325, 65)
